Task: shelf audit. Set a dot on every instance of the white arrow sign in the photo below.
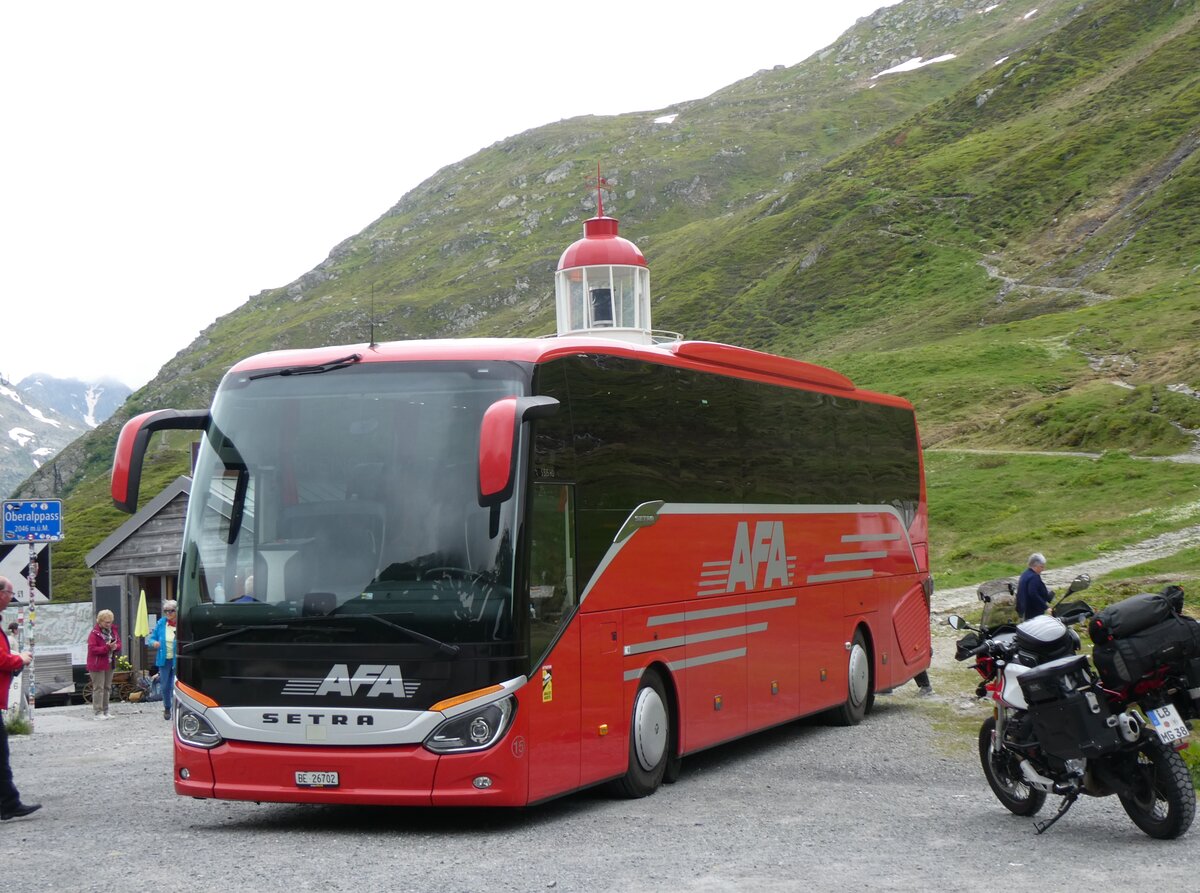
(14, 564)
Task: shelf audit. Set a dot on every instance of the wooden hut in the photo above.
(141, 555)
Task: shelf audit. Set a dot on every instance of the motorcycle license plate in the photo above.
(316, 779)
(1168, 723)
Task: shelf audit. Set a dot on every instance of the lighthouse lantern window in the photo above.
(573, 279)
(624, 285)
(602, 307)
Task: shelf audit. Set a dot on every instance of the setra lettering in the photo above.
(316, 719)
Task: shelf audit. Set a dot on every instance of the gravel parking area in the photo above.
(897, 803)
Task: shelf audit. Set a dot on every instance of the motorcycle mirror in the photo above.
(1080, 583)
(956, 622)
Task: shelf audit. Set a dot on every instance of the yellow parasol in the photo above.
(142, 627)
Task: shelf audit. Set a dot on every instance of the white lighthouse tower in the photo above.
(602, 286)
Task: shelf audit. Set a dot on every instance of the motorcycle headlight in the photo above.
(194, 729)
(476, 729)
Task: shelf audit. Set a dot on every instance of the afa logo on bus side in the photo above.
(763, 555)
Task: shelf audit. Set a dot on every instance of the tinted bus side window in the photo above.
(770, 463)
(705, 413)
(894, 457)
(851, 447)
(553, 437)
(626, 445)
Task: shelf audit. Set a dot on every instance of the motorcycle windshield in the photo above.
(335, 545)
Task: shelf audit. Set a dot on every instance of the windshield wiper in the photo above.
(311, 370)
(295, 623)
(443, 647)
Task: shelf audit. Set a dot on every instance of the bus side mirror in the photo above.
(498, 434)
(131, 449)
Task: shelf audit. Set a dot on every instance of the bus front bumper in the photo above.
(407, 775)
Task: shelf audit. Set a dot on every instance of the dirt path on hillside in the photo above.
(1189, 458)
(1161, 546)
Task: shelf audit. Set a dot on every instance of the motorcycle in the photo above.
(1059, 727)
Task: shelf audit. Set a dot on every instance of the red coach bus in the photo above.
(495, 571)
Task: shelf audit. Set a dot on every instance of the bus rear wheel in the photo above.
(860, 693)
(649, 739)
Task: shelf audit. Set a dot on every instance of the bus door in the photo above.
(603, 751)
(554, 643)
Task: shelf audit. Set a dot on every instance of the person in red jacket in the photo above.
(104, 644)
(11, 806)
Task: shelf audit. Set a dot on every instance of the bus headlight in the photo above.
(194, 729)
(476, 729)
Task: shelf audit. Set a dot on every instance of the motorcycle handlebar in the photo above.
(984, 647)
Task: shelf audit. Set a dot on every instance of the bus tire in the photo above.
(649, 739)
(860, 693)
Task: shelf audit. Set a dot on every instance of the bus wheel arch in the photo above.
(674, 758)
(652, 736)
(860, 679)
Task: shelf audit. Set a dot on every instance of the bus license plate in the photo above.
(1168, 723)
(316, 779)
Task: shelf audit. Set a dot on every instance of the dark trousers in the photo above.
(166, 684)
(9, 798)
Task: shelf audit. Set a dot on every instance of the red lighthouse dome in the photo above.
(603, 284)
(601, 245)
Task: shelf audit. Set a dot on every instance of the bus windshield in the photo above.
(350, 493)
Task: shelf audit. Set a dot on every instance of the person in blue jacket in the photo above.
(163, 638)
(1033, 598)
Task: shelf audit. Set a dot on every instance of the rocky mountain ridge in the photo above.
(41, 414)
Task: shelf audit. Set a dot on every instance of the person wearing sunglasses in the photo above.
(163, 638)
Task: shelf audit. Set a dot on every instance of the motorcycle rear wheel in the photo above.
(1163, 801)
(1003, 772)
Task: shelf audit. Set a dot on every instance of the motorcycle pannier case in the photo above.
(1069, 713)
(1134, 614)
(1173, 643)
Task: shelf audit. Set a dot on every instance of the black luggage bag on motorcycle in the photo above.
(1134, 614)
(1070, 715)
(1173, 643)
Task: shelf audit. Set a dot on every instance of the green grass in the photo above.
(988, 512)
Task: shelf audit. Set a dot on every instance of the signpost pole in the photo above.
(31, 681)
(36, 521)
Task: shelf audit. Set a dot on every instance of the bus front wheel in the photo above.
(649, 739)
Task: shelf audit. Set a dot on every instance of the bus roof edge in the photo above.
(756, 361)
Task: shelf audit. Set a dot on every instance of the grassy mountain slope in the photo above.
(997, 237)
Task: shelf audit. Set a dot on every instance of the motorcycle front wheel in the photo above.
(1162, 801)
(1003, 772)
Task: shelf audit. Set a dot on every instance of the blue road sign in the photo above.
(33, 521)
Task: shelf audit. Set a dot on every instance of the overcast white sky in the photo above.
(163, 161)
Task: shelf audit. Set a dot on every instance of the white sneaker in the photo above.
(99, 716)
